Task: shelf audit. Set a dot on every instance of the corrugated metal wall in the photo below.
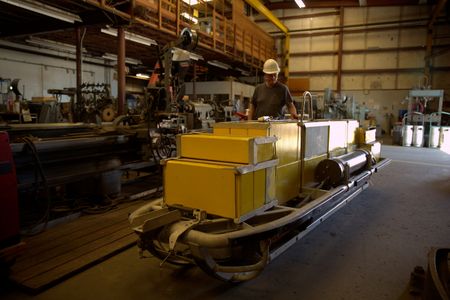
(383, 52)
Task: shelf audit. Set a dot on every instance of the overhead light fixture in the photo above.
(53, 45)
(46, 10)
(194, 2)
(243, 72)
(142, 76)
(131, 36)
(300, 3)
(219, 64)
(128, 60)
(189, 17)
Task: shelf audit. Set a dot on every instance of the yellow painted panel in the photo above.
(338, 152)
(208, 187)
(238, 132)
(257, 132)
(287, 182)
(259, 188)
(244, 194)
(309, 168)
(271, 187)
(221, 131)
(242, 150)
(264, 152)
(288, 144)
(338, 135)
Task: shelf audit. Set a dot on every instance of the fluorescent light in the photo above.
(46, 10)
(219, 64)
(143, 76)
(194, 2)
(131, 37)
(53, 45)
(189, 17)
(300, 3)
(113, 57)
(243, 72)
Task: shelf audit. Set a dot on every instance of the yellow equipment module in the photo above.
(287, 150)
(236, 149)
(228, 190)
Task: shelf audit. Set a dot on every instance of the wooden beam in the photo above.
(436, 11)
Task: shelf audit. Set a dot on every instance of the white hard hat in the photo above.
(271, 67)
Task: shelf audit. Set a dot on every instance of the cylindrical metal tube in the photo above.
(335, 170)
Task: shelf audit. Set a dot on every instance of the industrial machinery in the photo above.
(422, 124)
(51, 161)
(239, 197)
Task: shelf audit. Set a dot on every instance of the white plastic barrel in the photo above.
(445, 138)
(434, 136)
(417, 139)
(407, 135)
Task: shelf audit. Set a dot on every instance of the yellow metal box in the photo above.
(287, 149)
(228, 190)
(287, 133)
(241, 149)
(365, 136)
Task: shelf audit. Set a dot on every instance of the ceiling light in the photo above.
(46, 10)
(142, 76)
(131, 37)
(300, 3)
(189, 17)
(219, 64)
(243, 72)
(194, 2)
(113, 57)
(53, 45)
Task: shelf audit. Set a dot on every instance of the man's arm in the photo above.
(292, 110)
(251, 111)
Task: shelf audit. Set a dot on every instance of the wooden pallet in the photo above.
(67, 249)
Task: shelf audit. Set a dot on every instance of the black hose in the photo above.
(39, 172)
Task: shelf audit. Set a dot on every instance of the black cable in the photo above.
(39, 170)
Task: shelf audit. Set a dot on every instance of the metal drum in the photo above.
(337, 169)
(397, 135)
(445, 138)
(417, 139)
(434, 136)
(407, 135)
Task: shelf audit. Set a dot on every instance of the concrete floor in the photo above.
(366, 250)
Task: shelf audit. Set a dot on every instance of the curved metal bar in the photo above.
(311, 111)
(233, 273)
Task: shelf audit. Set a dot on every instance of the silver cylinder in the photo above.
(407, 135)
(417, 139)
(435, 132)
(335, 170)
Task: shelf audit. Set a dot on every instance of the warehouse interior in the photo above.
(129, 167)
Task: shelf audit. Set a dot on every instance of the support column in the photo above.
(120, 70)
(428, 56)
(340, 46)
(79, 79)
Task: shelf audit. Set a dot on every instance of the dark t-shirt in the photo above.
(269, 101)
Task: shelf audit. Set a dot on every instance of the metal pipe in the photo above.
(79, 70)
(311, 117)
(121, 70)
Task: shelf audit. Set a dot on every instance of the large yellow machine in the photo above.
(236, 198)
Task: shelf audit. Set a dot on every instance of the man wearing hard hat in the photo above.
(271, 96)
